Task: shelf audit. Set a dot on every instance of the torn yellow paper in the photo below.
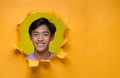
(25, 42)
(18, 49)
(61, 54)
(64, 42)
(15, 46)
(18, 26)
(33, 63)
(45, 60)
(25, 46)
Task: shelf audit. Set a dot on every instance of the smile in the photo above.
(40, 44)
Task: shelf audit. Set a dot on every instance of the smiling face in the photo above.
(41, 38)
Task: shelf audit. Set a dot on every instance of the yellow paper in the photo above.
(15, 46)
(45, 60)
(61, 55)
(33, 63)
(64, 42)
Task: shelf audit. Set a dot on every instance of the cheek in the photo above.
(47, 39)
(33, 40)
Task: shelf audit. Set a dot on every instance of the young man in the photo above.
(41, 32)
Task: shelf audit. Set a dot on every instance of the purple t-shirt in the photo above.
(33, 57)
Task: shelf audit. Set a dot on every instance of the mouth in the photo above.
(40, 44)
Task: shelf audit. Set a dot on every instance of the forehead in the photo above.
(42, 28)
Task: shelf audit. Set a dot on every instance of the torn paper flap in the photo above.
(61, 54)
(33, 63)
(64, 42)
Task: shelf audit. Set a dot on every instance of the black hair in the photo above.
(42, 21)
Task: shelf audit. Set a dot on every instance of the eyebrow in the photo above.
(41, 32)
(35, 32)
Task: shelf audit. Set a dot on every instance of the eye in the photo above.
(35, 34)
(45, 34)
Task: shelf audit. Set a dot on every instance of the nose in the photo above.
(40, 38)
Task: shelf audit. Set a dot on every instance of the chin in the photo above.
(40, 51)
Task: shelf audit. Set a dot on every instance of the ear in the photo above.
(52, 37)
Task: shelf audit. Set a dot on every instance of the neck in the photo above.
(45, 55)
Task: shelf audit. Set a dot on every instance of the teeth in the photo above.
(40, 44)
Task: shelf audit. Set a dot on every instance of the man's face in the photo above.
(41, 37)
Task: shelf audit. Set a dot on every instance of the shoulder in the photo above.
(31, 56)
(52, 53)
